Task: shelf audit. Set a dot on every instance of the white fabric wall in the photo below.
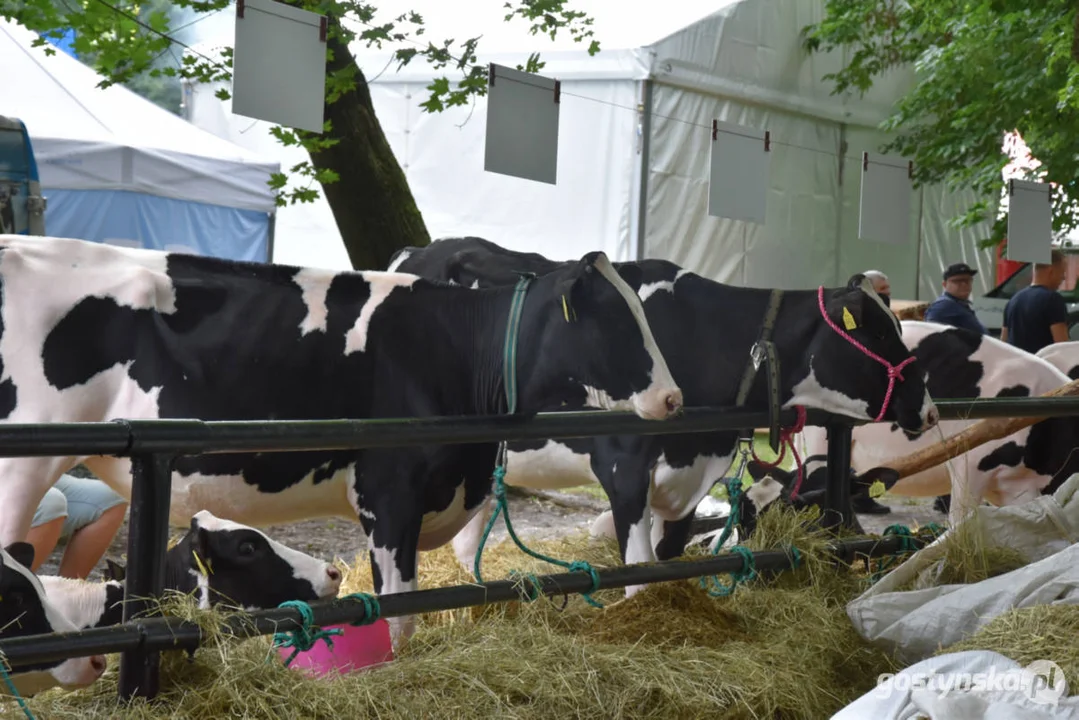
(588, 209)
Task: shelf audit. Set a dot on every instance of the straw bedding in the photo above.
(780, 647)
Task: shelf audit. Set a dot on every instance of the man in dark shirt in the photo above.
(1037, 315)
(953, 306)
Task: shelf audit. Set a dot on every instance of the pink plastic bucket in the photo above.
(359, 647)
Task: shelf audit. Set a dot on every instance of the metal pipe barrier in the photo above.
(154, 444)
(154, 634)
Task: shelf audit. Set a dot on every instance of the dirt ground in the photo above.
(540, 516)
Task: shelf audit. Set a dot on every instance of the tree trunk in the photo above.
(371, 201)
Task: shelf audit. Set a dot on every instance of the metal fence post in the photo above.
(147, 542)
(837, 510)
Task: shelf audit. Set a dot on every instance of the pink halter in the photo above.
(895, 372)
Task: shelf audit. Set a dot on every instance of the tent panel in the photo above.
(588, 209)
(128, 218)
(794, 249)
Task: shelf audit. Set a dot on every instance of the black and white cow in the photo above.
(219, 560)
(963, 364)
(1063, 356)
(93, 332)
(705, 330)
(25, 609)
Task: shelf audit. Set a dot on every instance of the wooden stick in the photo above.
(971, 437)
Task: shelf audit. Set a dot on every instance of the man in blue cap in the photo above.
(953, 307)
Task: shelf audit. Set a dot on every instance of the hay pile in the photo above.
(1041, 632)
(777, 648)
(966, 555)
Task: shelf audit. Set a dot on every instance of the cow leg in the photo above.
(629, 488)
(671, 536)
(390, 508)
(467, 541)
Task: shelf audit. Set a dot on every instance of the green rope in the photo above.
(734, 499)
(14, 692)
(748, 571)
(502, 507)
(372, 611)
(305, 638)
(509, 381)
(906, 546)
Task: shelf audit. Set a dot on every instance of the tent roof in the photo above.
(58, 99)
(752, 50)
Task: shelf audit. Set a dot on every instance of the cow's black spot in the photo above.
(1074, 373)
(1014, 391)
(945, 356)
(1009, 454)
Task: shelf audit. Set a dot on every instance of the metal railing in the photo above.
(153, 445)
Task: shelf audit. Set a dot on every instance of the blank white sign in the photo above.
(884, 204)
(738, 173)
(522, 125)
(1030, 221)
(279, 65)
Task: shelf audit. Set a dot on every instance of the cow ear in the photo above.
(887, 477)
(857, 282)
(22, 553)
(116, 571)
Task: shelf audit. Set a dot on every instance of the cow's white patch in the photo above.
(83, 602)
(810, 393)
(401, 628)
(475, 285)
(639, 546)
(764, 492)
(676, 491)
(1063, 356)
(401, 257)
(652, 402)
(649, 289)
(304, 567)
(382, 284)
(467, 541)
(229, 496)
(70, 674)
(315, 284)
(552, 467)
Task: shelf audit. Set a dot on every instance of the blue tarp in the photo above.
(128, 218)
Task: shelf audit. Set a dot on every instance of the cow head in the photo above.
(842, 378)
(593, 343)
(773, 485)
(26, 610)
(240, 566)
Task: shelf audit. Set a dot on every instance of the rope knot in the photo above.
(372, 611)
(305, 638)
(748, 571)
(583, 566)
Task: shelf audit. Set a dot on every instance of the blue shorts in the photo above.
(80, 500)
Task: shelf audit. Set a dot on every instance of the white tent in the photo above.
(634, 147)
(116, 168)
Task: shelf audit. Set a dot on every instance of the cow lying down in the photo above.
(26, 609)
(223, 562)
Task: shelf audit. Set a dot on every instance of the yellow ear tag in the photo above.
(202, 568)
(848, 320)
(877, 489)
(565, 309)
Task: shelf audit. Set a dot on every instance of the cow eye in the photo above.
(247, 548)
